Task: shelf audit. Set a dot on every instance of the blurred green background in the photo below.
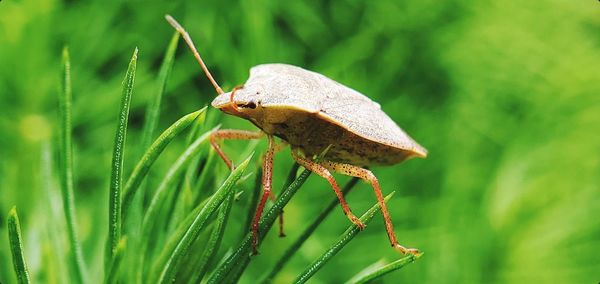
(504, 94)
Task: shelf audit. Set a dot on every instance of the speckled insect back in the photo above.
(310, 112)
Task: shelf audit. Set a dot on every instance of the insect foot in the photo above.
(361, 226)
(403, 250)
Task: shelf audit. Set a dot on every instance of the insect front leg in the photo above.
(231, 134)
(324, 173)
(267, 179)
(369, 177)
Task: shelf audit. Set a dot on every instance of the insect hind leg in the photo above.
(324, 173)
(368, 176)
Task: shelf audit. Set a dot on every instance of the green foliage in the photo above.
(504, 95)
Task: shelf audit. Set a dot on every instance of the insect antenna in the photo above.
(190, 43)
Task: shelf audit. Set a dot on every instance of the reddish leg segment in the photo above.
(323, 172)
(368, 176)
(231, 134)
(267, 179)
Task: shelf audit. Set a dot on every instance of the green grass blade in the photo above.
(143, 166)
(346, 237)
(287, 255)
(116, 179)
(241, 256)
(174, 261)
(379, 272)
(16, 246)
(213, 244)
(153, 109)
(151, 216)
(169, 179)
(66, 165)
(113, 273)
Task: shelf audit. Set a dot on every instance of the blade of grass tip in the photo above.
(344, 239)
(201, 263)
(143, 166)
(66, 165)
(174, 261)
(16, 246)
(113, 273)
(241, 256)
(151, 215)
(153, 109)
(289, 253)
(379, 272)
(116, 179)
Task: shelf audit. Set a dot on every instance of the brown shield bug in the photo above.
(310, 112)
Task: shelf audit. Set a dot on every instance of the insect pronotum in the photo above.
(311, 112)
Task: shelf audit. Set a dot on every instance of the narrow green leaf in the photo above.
(173, 262)
(143, 166)
(151, 216)
(379, 272)
(66, 165)
(287, 255)
(116, 179)
(344, 239)
(214, 242)
(16, 246)
(113, 273)
(232, 268)
(241, 256)
(153, 109)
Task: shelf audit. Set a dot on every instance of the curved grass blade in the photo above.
(16, 246)
(214, 242)
(184, 242)
(112, 276)
(379, 272)
(66, 165)
(346, 237)
(116, 179)
(151, 216)
(241, 256)
(153, 109)
(143, 166)
(287, 255)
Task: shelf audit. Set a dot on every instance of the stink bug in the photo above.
(310, 112)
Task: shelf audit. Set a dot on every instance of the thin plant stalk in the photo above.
(16, 247)
(116, 178)
(143, 166)
(151, 215)
(294, 247)
(241, 256)
(113, 273)
(379, 272)
(344, 239)
(66, 166)
(174, 261)
(214, 241)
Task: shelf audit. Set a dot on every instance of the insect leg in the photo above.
(231, 134)
(324, 173)
(266, 182)
(369, 177)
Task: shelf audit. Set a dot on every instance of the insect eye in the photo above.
(250, 105)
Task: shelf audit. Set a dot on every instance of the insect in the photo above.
(311, 112)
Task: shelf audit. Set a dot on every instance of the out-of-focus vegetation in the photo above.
(504, 94)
